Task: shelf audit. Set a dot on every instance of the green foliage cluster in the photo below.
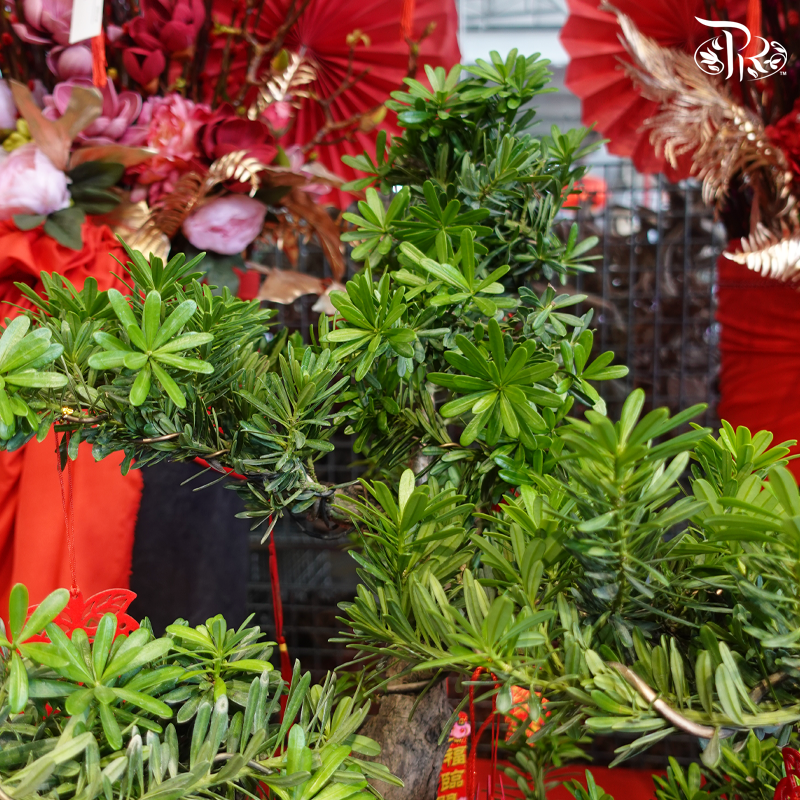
(641, 574)
(434, 335)
(467, 159)
(194, 713)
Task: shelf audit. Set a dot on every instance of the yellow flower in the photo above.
(19, 137)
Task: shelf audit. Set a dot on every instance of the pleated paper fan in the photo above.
(609, 98)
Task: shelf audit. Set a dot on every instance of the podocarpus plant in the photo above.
(194, 713)
(536, 546)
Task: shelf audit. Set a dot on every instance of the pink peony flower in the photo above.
(30, 184)
(71, 62)
(225, 225)
(115, 124)
(8, 110)
(172, 123)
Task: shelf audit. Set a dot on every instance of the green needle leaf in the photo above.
(141, 386)
(169, 385)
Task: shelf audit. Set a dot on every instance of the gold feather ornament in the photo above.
(698, 115)
(771, 255)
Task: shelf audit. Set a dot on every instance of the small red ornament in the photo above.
(787, 788)
(86, 614)
(519, 712)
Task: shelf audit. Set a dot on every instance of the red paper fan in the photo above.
(323, 29)
(608, 96)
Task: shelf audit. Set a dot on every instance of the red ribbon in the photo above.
(407, 19)
(99, 77)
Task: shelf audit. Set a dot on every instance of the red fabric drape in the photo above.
(33, 544)
(760, 353)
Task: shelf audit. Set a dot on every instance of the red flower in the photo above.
(171, 25)
(225, 132)
(785, 134)
(144, 66)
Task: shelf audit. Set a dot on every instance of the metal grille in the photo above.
(653, 292)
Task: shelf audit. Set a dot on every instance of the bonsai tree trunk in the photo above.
(409, 747)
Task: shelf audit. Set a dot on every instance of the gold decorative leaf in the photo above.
(769, 254)
(286, 285)
(54, 137)
(112, 153)
(302, 206)
(699, 116)
(284, 85)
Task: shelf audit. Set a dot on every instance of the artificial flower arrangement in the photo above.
(177, 121)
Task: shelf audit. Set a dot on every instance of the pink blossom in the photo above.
(296, 163)
(30, 184)
(8, 110)
(278, 116)
(46, 22)
(71, 62)
(172, 124)
(226, 225)
(115, 124)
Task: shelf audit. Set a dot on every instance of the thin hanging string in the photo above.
(68, 504)
(277, 608)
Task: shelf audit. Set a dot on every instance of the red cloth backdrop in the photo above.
(33, 542)
(760, 353)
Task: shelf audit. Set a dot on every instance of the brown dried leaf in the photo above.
(323, 304)
(112, 153)
(285, 286)
(54, 138)
(301, 204)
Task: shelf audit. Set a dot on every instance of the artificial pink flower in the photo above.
(279, 116)
(169, 25)
(68, 63)
(172, 123)
(8, 109)
(144, 66)
(225, 225)
(30, 184)
(46, 22)
(297, 163)
(115, 124)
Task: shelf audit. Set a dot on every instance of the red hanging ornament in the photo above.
(472, 759)
(452, 779)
